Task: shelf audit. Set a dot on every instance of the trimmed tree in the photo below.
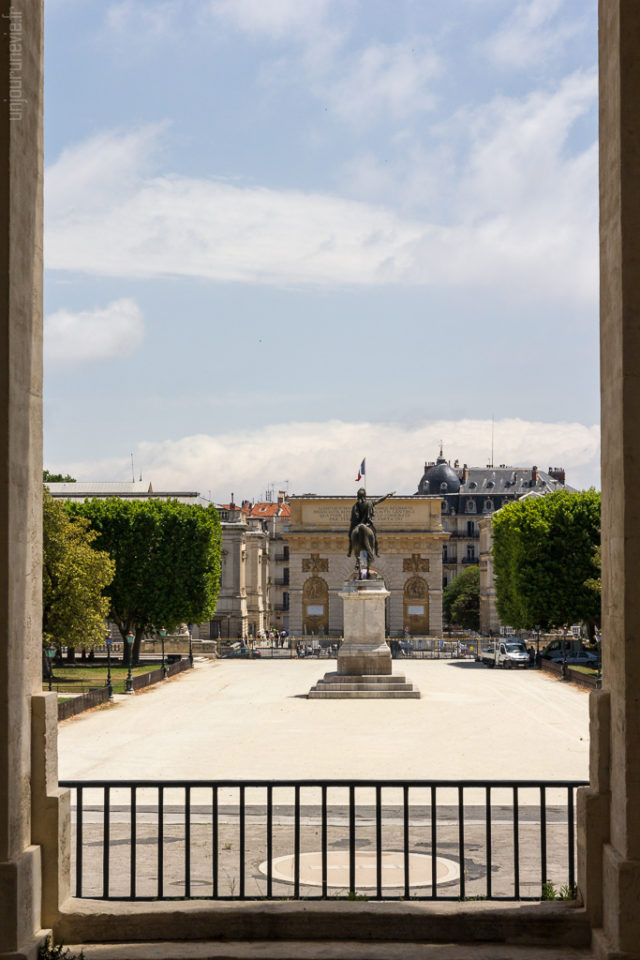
(57, 477)
(74, 577)
(461, 600)
(544, 555)
(167, 562)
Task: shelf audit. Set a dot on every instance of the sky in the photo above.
(285, 235)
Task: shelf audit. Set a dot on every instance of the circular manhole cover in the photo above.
(282, 868)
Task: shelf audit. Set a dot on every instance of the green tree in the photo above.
(167, 562)
(57, 477)
(544, 556)
(74, 576)
(461, 600)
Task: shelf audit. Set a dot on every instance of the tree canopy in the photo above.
(461, 600)
(74, 576)
(57, 477)
(545, 557)
(167, 561)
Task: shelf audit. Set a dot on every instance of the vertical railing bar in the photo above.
(269, 840)
(378, 840)
(434, 842)
(352, 839)
(106, 840)
(543, 836)
(324, 840)
(296, 842)
(160, 841)
(241, 842)
(516, 845)
(488, 838)
(214, 842)
(187, 840)
(79, 842)
(132, 891)
(461, 838)
(571, 839)
(405, 798)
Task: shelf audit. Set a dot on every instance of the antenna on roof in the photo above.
(133, 475)
(492, 431)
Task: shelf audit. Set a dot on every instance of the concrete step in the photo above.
(361, 685)
(328, 694)
(324, 950)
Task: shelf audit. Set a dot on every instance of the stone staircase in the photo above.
(373, 686)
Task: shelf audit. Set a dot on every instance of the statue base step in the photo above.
(337, 686)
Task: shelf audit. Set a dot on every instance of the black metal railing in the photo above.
(310, 839)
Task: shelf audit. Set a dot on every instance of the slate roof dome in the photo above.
(439, 479)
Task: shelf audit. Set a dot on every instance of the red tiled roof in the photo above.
(265, 509)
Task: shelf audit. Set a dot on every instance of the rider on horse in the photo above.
(362, 512)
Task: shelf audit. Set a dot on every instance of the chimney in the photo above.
(232, 504)
(465, 473)
(282, 494)
(558, 473)
(534, 476)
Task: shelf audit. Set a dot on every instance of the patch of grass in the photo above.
(590, 671)
(84, 677)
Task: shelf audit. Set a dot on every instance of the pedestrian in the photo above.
(532, 657)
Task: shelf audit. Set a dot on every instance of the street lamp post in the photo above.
(537, 628)
(163, 634)
(129, 684)
(190, 627)
(50, 652)
(108, 643)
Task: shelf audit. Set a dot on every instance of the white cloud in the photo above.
(274, 18)
(522, 214)
(531, 34)
(324, 457)
(145, 21)
(89, 335)
(389, 78)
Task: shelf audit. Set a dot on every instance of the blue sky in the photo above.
(282, 235)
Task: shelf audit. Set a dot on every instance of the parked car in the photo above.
(242, 652)
(580, 658)
(577, 655)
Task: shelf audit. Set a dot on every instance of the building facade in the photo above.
(471, 493)
(411, 538)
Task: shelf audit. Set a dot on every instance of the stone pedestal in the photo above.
(364, 659)
(364, 650)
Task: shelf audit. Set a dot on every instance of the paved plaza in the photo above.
(251, 721)
(240, 720)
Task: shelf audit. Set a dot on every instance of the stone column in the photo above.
(20, 462)
(610, 823)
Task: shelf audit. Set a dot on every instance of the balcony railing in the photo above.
(317, 839)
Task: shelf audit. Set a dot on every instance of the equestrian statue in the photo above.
(362, 533)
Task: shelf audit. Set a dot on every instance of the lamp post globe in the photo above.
(129, 684)
(163, 634)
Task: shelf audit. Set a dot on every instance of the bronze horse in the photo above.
(363, 539)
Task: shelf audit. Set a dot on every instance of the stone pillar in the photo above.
(610, 824)
(20, 462)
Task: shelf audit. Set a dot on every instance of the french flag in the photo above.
(362, 470)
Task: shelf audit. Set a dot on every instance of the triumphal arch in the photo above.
(34, 812)
(410, 538)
